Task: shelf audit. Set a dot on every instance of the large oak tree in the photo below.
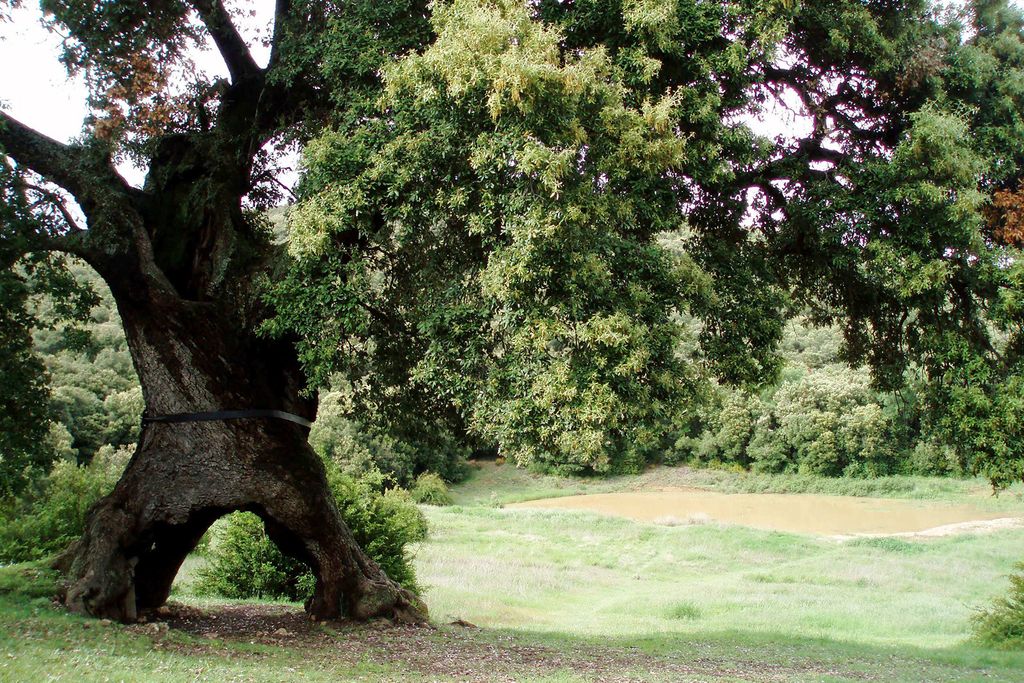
(181, 257)
(478, 239)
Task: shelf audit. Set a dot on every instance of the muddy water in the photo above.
(813, 514)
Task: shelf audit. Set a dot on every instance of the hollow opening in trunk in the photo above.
(174, 557)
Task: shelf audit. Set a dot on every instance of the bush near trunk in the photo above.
(245, 563)
(400, 452)
(51, 514)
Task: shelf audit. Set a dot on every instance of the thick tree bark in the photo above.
(183, 476)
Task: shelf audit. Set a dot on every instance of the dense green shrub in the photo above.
(823, 421)
(341, 440)
(820, 418)
(810, 346)
(1002, 625)
(430, 489)
(932, 458)
(244, 562)
(729, 427)
(360, 448)
(52, 514)
(828, 423)
(384, 522)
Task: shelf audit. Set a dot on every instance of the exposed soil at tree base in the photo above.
(449, 652)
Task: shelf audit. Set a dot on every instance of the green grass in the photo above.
(494, 485)
(39, 642)
(574, 596)
(974, 490)
(585, 574)
(685, 611)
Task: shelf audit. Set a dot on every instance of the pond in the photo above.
(799, 513)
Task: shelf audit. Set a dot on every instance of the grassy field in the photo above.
(571, 596)
(582, 574)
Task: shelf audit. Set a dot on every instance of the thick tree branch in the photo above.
(814, 151)
(73, 243)
(89, 175)
(282, 9)
(773, 193)
(820, 106)
(232, 48)
(108, 202)
(61, 164)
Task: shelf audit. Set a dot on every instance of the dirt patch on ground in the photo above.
(449, 653)
(986, 526)
(800, 513)
(264, 623)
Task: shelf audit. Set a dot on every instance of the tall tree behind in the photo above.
(902, 231)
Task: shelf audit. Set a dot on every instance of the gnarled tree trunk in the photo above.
(179, 255)
(183, 476)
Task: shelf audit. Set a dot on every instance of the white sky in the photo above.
(36, 90)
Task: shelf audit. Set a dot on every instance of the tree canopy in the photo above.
(485, 240)
(488, 188)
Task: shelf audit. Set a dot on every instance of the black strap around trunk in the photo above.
(216, 415)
